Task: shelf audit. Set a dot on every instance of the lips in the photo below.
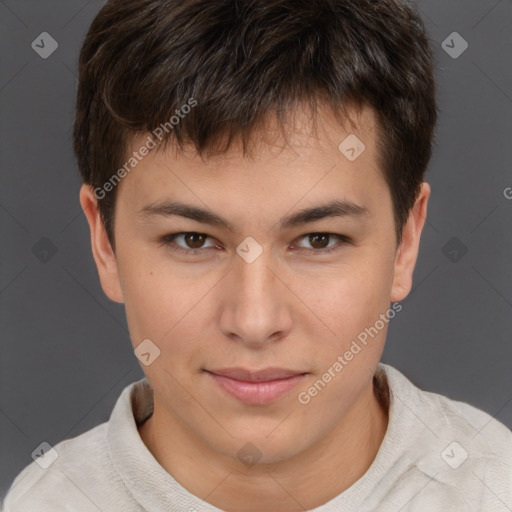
(256, 387)
(265, 375)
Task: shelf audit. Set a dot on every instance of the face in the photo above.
(258, 287)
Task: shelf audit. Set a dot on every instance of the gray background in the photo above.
(65, 349)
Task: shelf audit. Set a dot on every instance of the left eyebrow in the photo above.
(333, 209)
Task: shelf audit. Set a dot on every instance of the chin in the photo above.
(269, 451)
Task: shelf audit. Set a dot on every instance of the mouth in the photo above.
(256, 387)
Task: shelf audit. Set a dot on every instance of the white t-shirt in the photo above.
(437, 455)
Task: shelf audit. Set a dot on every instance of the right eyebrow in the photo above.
(170, 208)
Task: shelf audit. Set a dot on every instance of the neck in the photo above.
(305, 481)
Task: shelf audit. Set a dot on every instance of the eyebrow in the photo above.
(338, 208)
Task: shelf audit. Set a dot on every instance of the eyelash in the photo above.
(168, 240)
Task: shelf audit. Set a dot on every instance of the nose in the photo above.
(255, 303)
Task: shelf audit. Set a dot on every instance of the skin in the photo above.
(289, 308)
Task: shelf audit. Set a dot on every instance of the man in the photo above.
(254, 185)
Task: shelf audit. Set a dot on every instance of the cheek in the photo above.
(348, 301)
(171, 310)
(158, 301)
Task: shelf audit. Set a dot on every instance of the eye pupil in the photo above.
(194, 244)
(313, 239)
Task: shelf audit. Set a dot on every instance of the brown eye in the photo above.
(319, 240)
(322, 243)
(188, 243)
(194, 240)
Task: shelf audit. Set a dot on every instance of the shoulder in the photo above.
(82, 472)
(483, 433)
(453, 444)
(445, 414)
(60, 472)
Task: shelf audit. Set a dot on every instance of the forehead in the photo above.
(318, 155)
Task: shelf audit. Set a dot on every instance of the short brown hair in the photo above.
(243, 59)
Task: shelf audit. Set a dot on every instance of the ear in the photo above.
(407, 252)
(102, 252)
